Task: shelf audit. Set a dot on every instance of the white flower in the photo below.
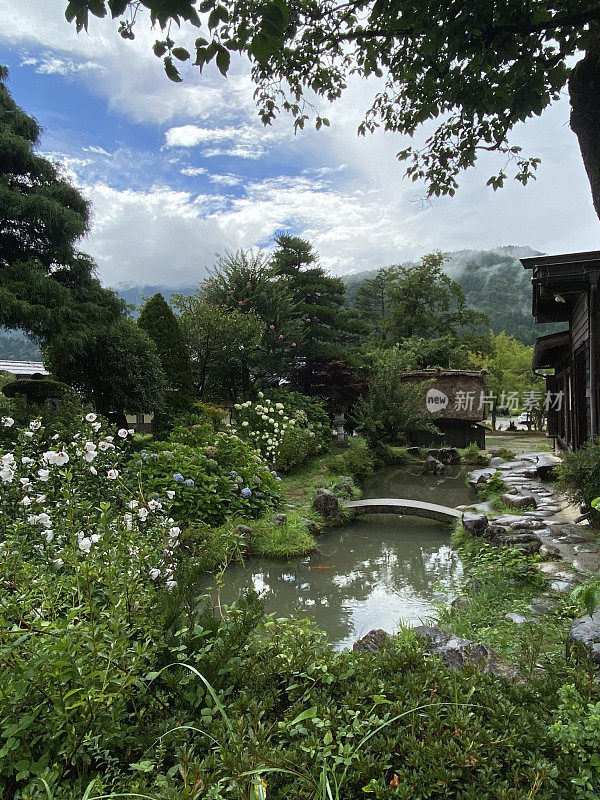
(24, 481)
(26, 501)
(90, 417)
(58, 562)
(43, 474)
(112, 474)
(89, 446)
(279, 406)
(7, 474)
(237, 406)
(85, 544)
(133, 504)
(55, 437)
(122, 433)
(130, 431)
(8, 422)
(93, 470)
(96, 426)
(49, 534)
(170, 584)
(143, 514)
(95, 537)
(26, 460)
(260, 395)
(7, 460)
(245, 423)
(280, 412)
(109, 438)
(35, 425)
(40, 498)
(264, 418)
(104, 446)
(174, 532)
(170, 494)
(62, 458)
(29, 434)
(50, 456)
(154, 505)
(154, 574)
(89, 456)
(128, 520)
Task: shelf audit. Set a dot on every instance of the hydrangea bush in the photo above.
(206, 475)
(288, 428)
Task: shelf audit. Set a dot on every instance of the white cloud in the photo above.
(93, 148)
(50, 64)
(225, 180)
(245, 141)
(193, 171)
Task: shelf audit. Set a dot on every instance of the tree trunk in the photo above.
(584, 91)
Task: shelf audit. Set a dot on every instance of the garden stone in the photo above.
(279, 519)
(527, 542)
(519, 619)
(327, 504)
(545, 466)
(373, 642)
(508, 519)
(549, 549)
(449, 455)
(542, 605)
(461, 603)
(243, 530)
(479, 476)
(474, 523)
(528, 524)
(457, 653)
(584, 637)
(518, 500)
(431, 466)
(314, 528)
(552, 568)
(495, 461)
(495, 531)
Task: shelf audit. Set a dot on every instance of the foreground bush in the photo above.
(579, 477)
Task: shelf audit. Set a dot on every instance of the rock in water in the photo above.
(432, 466)
(372, 642)
(327, 505)
(457, 653)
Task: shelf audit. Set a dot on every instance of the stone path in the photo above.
(546, 527)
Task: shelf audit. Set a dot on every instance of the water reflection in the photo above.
(376, 573)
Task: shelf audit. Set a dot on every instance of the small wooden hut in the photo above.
(456, 401)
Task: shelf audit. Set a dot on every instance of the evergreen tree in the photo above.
(160, 323)
(119, 371)
(329, 328)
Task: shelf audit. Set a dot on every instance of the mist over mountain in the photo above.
(494, 281)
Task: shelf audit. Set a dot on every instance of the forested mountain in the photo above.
(494, 282)
(14, 346)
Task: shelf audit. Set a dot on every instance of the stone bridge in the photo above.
(394, 505)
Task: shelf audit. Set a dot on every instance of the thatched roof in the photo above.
(463, 389)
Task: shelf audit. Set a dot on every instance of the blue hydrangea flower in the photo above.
(189, 482)
(273, 473)
(246, 492)
(278, 479)
(233, 474)
(178, 477)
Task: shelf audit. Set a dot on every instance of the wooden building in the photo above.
(565, 290)
(455, 399)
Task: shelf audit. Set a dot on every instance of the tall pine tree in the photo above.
(329, 328)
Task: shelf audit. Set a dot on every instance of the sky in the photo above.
(177, 173)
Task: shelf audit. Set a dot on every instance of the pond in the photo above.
(378, 572)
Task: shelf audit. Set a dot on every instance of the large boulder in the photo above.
(584, 637)
(475, 524)
(431, 466)
(373, 642)
(457, 653)
(449, 455)
(327, 505)
(545, 466)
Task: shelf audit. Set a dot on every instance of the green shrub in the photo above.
(577, 733)
(579, 476)
(215, 477)
(357, 460)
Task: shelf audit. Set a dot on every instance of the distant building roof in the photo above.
(23, 367)
(460, 393)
